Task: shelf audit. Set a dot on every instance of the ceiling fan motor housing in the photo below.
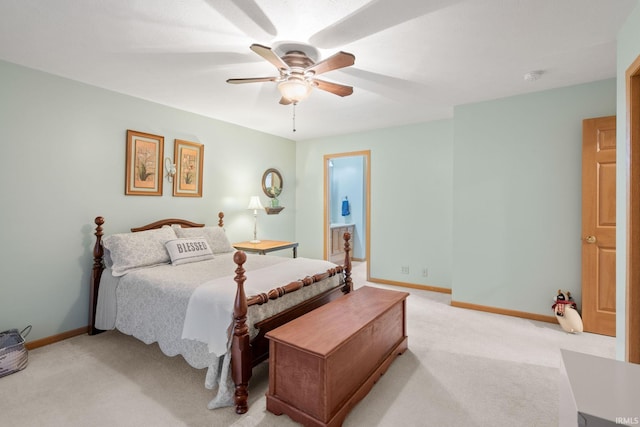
(296, 59)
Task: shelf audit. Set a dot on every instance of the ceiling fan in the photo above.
(298, 70)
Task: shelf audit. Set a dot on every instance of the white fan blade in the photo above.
(373, 17)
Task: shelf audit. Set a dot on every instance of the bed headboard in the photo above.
(181, 222)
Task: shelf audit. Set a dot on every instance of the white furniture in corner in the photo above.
(597, 392)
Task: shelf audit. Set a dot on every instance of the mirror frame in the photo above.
(267, 190)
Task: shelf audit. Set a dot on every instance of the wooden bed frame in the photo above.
(245, 352)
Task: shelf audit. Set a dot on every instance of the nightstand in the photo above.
(265, 246)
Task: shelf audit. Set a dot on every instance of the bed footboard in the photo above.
(240, 348)
(246, 353)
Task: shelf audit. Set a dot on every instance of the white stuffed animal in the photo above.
(566, 312)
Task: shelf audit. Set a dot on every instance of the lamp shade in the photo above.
(294, 89)
(254, 203)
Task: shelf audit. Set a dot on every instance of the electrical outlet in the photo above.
(404, 269)
(425, 272)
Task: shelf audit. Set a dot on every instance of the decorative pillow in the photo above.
(184, 251)
(215, 236)
(131, 251)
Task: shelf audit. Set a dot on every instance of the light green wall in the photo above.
(628, 51)
(517, 196)
(411, 199)
(63, 151)
(489, 202)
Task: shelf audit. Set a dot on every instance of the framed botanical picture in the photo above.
(144, 164)
(188, 157)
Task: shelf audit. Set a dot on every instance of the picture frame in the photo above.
(144, 166)
(188, 157)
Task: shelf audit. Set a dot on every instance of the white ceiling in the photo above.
(415, 59)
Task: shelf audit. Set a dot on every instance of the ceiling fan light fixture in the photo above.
(294, 90)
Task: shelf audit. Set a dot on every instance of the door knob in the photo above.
(590, 239)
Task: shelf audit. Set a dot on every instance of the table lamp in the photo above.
(255, 204)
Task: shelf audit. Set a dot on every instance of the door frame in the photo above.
(632, 310)
(367, 204)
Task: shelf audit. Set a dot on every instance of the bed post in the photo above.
(96, 274)
(220, 219)
(240, 343)
(348, 283)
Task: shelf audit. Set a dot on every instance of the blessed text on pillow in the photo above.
(184, 251)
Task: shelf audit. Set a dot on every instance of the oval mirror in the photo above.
(272, 183)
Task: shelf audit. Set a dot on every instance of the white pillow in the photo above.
(131, 251)
(215, 236)
(184, 251)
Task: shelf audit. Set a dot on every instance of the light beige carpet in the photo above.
(463, 368)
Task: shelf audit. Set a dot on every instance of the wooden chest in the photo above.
(323, 363)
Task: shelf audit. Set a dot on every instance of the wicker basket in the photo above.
(13, 353)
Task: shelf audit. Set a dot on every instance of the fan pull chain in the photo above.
(294, 116)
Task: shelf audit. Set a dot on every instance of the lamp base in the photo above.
(254, 241)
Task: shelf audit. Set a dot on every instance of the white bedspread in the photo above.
(212, 303)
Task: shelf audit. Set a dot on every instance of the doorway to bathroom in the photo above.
(347, 198)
